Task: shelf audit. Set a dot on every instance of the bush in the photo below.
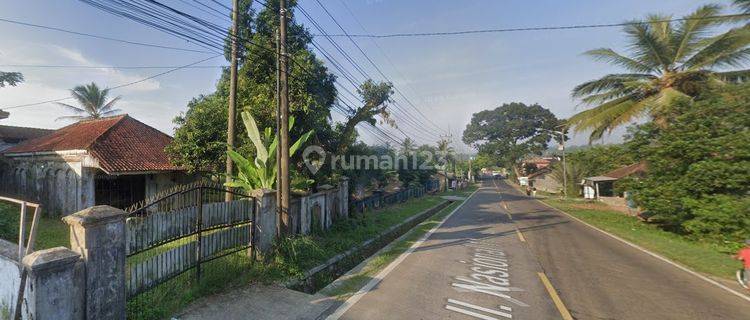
(699, 168)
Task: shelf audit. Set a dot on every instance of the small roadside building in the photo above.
(115, 161)
(602, 187)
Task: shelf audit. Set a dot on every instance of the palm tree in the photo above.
(407, 147)
(93, 103)
(10, 78)
(445, 151)
(575, 174)
(667, 61)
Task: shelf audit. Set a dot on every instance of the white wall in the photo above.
(10, 277)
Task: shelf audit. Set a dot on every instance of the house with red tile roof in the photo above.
(12, 135)
(115, 161)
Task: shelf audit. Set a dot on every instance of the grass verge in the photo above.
(52, 232)
(354, 282)
(706, 258)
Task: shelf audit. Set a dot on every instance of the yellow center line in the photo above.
(520, 235)
(555, 298)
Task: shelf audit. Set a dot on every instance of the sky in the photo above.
(447, 78)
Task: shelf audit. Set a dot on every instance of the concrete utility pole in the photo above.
(565, 167)
(283, 181)
(232, 92)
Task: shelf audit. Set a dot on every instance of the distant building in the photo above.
(115, 160)
(602, 187)
(544, 180)
(11, 136)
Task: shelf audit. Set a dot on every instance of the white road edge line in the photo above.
(383, 273)
(670, 262)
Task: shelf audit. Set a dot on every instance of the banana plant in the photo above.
(260, 172)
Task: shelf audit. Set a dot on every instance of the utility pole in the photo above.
(283, 183)
(278, 131)
(232, 93)
(471, 173)
(565, 167)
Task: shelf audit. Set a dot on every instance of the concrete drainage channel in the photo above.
(325, 273)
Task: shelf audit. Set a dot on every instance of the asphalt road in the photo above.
(503, 255)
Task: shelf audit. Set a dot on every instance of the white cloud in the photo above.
(49, 54)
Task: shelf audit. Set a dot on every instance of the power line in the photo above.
(99, 36)
(547, 28)
(376, 66)
(103, 67)
(119, 86)
(408, 119)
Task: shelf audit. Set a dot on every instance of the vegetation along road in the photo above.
(503, 255)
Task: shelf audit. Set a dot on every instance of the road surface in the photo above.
(503, 255)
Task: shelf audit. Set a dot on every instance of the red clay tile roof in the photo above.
(121, 144)
(626, 171)
(22, 133)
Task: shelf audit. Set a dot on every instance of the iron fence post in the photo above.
(199, 226)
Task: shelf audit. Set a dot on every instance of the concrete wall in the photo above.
(54, 283)
(547, 183)
(64, 183)
(59, 182)
(158, 182)
(317, 211)
(10, 279)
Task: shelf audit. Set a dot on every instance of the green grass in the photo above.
(706, 258)
(52, 232)
(289, 260)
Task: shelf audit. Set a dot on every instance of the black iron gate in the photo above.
(183, 241)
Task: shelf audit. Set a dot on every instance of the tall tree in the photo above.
(93, 103)
(201, 145)
(375, 97)
(667, 60)
(10, 78)
(446, 153)
(698, 179)
(511, 131)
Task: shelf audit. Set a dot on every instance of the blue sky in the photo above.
(447, 78)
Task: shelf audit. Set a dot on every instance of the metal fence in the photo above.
(380, 200)
(184, 230)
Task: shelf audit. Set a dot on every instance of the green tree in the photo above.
(10, 78)
(93, 103)
(199, 143)
(446, 154)
(376, 97)
(598, 160)
(698, 177)
(667, 61)
(575, 172)
(511, 131)
(200, 133)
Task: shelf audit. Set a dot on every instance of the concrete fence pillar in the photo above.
(98, 235)
(344, 197)
(55, 285)
(268, 223)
